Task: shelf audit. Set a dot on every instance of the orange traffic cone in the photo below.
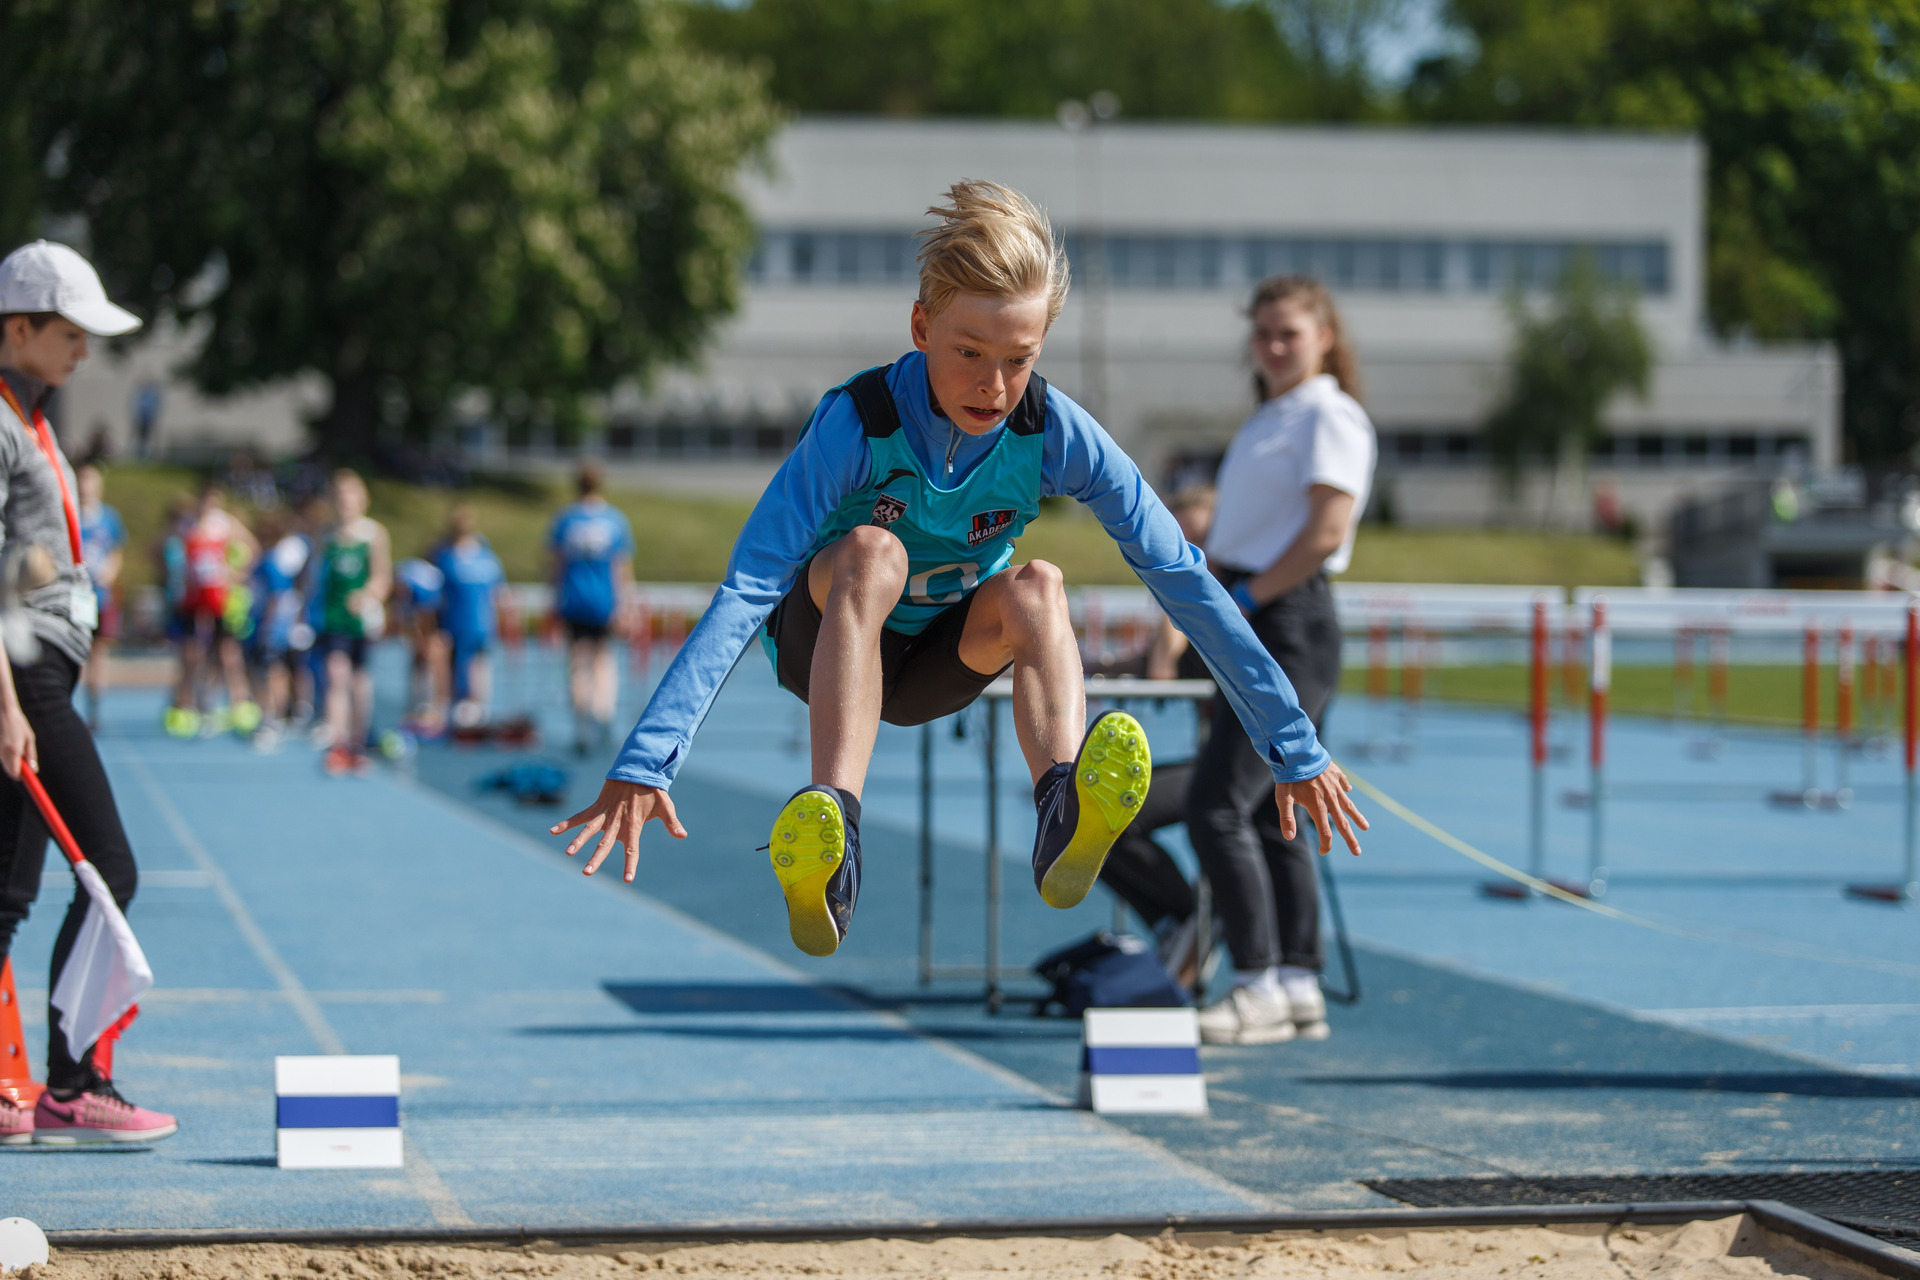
(16, 1077)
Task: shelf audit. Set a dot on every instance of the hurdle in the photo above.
(1907, 889)
(1599, 684)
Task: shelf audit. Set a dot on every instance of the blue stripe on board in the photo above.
(358, 1112)
(1160, 1060)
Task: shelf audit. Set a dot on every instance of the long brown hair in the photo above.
(1340, 361)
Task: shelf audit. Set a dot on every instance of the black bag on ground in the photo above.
(1107, 971)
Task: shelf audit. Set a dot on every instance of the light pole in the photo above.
(1079, 119)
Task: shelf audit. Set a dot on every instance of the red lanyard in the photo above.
(44, 438)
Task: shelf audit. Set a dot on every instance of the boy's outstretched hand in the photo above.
(617, 815)
(1326, 799)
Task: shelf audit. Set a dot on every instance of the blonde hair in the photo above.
(993, 241)
(1192, 497)
(1340, 361)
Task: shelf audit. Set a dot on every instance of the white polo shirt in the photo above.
(1314, 434)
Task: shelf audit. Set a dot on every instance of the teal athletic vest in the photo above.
(955, 538)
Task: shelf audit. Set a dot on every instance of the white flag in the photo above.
(106, 974)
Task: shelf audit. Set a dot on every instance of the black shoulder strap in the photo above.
(873, 401)
(1029, 417)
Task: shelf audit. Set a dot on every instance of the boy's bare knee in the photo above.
(1041, 578)
(871, 554)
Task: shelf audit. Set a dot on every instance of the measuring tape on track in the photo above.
(1767, 945)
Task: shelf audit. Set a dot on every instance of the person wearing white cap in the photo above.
(51, 302)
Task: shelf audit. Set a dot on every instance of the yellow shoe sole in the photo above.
(1110, 777)
(808, 842)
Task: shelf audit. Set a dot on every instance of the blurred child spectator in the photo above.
(103, 540)
(218, 551)
(182, 719)
(418, 590)
(277, 644)
(475, 593)
(592, 564)
(354, 577)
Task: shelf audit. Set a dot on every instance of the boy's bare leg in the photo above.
(855, 582)
(606, 681)
(1020, 616)
(362, 707)
(339, 699)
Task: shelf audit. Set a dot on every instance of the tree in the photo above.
(531, 197)
(1164, 59)
(1810, 110)
(1569, 363)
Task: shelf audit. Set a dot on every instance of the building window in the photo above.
(1408, 448)
(1136, 261)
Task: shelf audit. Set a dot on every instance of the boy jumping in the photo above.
(877, 572)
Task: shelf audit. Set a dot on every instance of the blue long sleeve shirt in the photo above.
(1080, 461)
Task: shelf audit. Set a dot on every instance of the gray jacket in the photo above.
(31, 512)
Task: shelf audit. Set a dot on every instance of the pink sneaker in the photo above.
(99, 1115)
(16, 1123)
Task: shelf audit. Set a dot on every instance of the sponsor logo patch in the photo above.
(887, 509)
(988, 525)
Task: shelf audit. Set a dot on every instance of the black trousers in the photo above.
(1263, 886)
(75, 780)
(1145, 875)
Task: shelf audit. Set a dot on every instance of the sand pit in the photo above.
(1730, 1247)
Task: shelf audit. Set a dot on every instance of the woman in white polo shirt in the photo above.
(1291, 490)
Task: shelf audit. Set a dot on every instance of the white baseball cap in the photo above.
(44, 276)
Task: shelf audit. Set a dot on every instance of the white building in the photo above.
(1418, 232)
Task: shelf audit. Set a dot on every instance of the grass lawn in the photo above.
(1492, 556)
(687, 539)
(1767, 695)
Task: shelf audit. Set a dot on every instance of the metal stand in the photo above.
(994, 996)
(1352, 994)
(926, 854)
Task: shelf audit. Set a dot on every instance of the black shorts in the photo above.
(921, 677)
(588, 630)
(355, 647)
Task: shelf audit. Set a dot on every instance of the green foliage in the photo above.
(1164, 59)
(531, 197)
(1568, 364)
(1811, 114)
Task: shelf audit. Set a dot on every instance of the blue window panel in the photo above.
(802, 250)
(1387, 264)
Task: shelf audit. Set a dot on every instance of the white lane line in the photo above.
(421, 1174)
(1785, 1012)
(610, 881)
(292, 990)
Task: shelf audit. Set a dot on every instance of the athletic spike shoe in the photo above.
(1084, 807)
(815, 850)
(182, 722)
(245, 718)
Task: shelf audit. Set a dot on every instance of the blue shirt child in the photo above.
(472, 574)
(101, 534)
(589, 537)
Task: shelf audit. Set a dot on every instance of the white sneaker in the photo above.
(1248, 1015)
(1309, 1012)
